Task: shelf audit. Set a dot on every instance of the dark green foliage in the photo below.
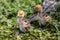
(57, 6)
(8, 25)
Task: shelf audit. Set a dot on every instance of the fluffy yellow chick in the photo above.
(22, 22)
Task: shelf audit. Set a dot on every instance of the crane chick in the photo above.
(22, 22)
(43, 18)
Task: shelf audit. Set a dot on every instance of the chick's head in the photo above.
(20, 13)
(38, 7)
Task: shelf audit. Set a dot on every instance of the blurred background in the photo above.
(8, 25)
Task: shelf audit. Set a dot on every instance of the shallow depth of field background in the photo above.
(8, 25)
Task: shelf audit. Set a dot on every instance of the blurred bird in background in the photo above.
(22, 22)
(49, 5)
